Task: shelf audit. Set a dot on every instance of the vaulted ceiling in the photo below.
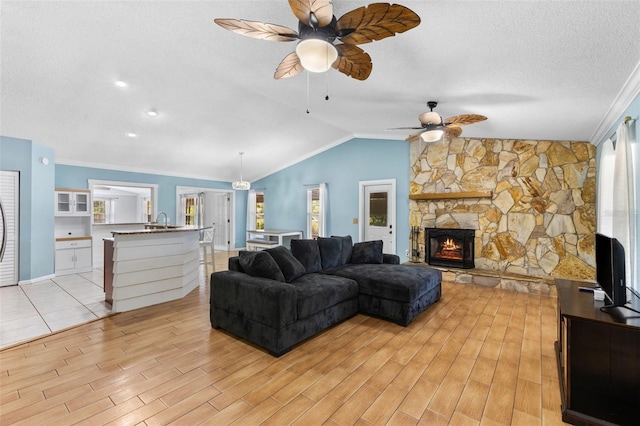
(537, 69)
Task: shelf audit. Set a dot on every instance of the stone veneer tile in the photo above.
(540, 219)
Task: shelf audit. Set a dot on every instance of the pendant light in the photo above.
(241, 185)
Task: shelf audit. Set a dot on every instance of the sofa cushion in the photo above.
(260, 264)
(308, 253)
(290, 266)
(317, 292)
(345, 248)
(367, 252)
(330, 252)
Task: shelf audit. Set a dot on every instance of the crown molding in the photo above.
(627, 94)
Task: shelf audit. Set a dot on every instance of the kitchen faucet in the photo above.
(166, 219)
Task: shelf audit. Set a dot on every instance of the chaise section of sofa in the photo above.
(394, 292)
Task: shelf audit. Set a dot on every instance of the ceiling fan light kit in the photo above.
(316, 55)
(432, 135)
(241, 185)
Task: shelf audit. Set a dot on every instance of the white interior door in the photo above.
(378, 213)
(220, 216)
(9, 243)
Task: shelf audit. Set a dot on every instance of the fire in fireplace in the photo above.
(450, 247)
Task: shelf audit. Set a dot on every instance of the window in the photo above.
(316, 210)
(189, 211)
(313, 225)
(259, 210)
(103, 210)
(378, 209)
(255, 210)
(99, 211)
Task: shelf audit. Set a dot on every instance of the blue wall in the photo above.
(342, 168)
(36, 233)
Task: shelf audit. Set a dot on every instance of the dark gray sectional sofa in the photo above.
(278, 297)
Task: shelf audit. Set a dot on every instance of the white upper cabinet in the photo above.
(73, 202)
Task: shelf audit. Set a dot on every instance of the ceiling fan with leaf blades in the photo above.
(433, 126)
(318, 29)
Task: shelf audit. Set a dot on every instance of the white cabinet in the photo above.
(73, 256)
(73, 202)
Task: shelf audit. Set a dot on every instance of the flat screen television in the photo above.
(610, 269)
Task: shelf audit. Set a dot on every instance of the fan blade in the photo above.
(453, 131)
(289, 67)
(414, 137)
(259, 30)
(375, 22)
(322, 9)
(406, 128)
(461, 120)
(353, 61)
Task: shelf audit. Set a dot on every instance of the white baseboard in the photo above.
(36, 280)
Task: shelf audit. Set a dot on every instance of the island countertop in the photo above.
(157, 230)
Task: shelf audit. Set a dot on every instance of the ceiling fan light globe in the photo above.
(430, 118)
(316, 55)
(241, 185)
(432, 135)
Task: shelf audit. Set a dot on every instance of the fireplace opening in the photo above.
(450, 247)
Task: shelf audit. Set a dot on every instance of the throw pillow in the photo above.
(308, 253)
(367, 252)
(330, 252)
(260, 264)
(347, 247)
(290, 266)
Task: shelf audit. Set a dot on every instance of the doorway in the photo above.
(9, 225)
(377, 212)
(202, 207)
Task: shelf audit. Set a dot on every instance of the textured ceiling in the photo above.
(536, 69)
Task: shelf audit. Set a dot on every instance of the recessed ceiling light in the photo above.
(132, 135)
(152, 113)
(121, 83)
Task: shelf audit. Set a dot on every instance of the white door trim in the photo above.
(361, 207)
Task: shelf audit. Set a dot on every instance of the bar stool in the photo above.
(207, 242)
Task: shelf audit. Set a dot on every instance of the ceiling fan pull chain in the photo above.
(326, 98)
(307, 92)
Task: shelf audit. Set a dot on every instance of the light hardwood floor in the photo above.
(478, 356)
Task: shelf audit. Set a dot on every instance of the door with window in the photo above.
(378, 213)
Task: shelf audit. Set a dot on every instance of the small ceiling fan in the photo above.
(433, 126)
(318, 29)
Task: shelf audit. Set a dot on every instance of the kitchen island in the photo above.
(150, 266)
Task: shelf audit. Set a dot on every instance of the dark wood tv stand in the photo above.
(598, 359)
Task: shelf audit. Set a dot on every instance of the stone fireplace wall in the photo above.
(540, 217)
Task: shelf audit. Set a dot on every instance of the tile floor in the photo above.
(32, 310)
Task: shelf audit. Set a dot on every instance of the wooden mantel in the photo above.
(451, 195)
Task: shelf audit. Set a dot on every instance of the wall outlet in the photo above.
(407, 253)
(355, 220)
